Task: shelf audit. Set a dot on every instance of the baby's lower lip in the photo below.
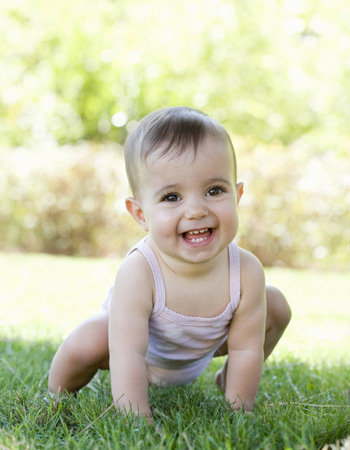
(199, 239)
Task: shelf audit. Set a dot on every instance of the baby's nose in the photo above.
(195, 209)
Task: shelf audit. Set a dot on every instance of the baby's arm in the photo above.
(246, 337)
(131, 308)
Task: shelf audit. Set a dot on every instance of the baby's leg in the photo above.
(277, 318)
(278, 315)
(80, 355)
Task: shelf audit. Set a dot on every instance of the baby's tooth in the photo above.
(198, 239)
(198, 231)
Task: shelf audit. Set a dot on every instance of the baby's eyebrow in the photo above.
(175, 187)
(167, 188)
(218, 180)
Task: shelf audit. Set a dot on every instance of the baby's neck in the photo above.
(188, 269)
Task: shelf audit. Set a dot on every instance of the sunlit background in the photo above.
(75, 77)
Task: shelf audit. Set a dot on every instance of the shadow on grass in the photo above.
(299, 405)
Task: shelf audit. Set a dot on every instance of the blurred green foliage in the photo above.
(70, 200)
(269, 70)
(275, 73)
(295, 209)
(65, 200)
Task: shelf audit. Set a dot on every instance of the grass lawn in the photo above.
(303, 401)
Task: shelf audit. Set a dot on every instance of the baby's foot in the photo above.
(219, 380)
(220, 377)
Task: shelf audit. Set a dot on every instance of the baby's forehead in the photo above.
(212, 149)
(210, 160)
(214, 145)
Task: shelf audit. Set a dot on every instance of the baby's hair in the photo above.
(172, 130)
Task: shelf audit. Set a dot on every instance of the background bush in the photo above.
(67, 201)
(294, 210)
(71, 201)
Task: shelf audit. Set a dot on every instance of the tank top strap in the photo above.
(235, 274)
(147, 252)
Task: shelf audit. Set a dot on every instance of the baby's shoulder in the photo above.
(133, 286)
(135, 268)
(250, 267)
(248, 260)
(133, 289)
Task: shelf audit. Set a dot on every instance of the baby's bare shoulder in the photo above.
(134, 280)
(249, 262)
(135, 267)
(252, 272)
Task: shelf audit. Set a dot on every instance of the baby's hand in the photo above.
(248, 412)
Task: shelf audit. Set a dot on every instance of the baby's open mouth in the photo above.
(199, 235)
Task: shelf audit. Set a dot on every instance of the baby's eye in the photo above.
(172, 197)
(215, 190)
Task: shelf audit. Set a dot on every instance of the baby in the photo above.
(186, 292)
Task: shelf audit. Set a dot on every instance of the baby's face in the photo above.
(190, 202)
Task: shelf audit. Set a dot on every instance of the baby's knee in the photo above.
(78, 352)
(278, 306)
(88, 344)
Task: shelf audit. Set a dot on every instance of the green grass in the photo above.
(299, 401)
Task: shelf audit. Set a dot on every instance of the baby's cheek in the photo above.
(165, 221)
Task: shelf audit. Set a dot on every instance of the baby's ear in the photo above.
(135, 209)
(239, 189)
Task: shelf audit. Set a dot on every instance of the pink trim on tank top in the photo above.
(160, 298)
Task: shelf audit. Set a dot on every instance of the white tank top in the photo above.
(180, 347)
